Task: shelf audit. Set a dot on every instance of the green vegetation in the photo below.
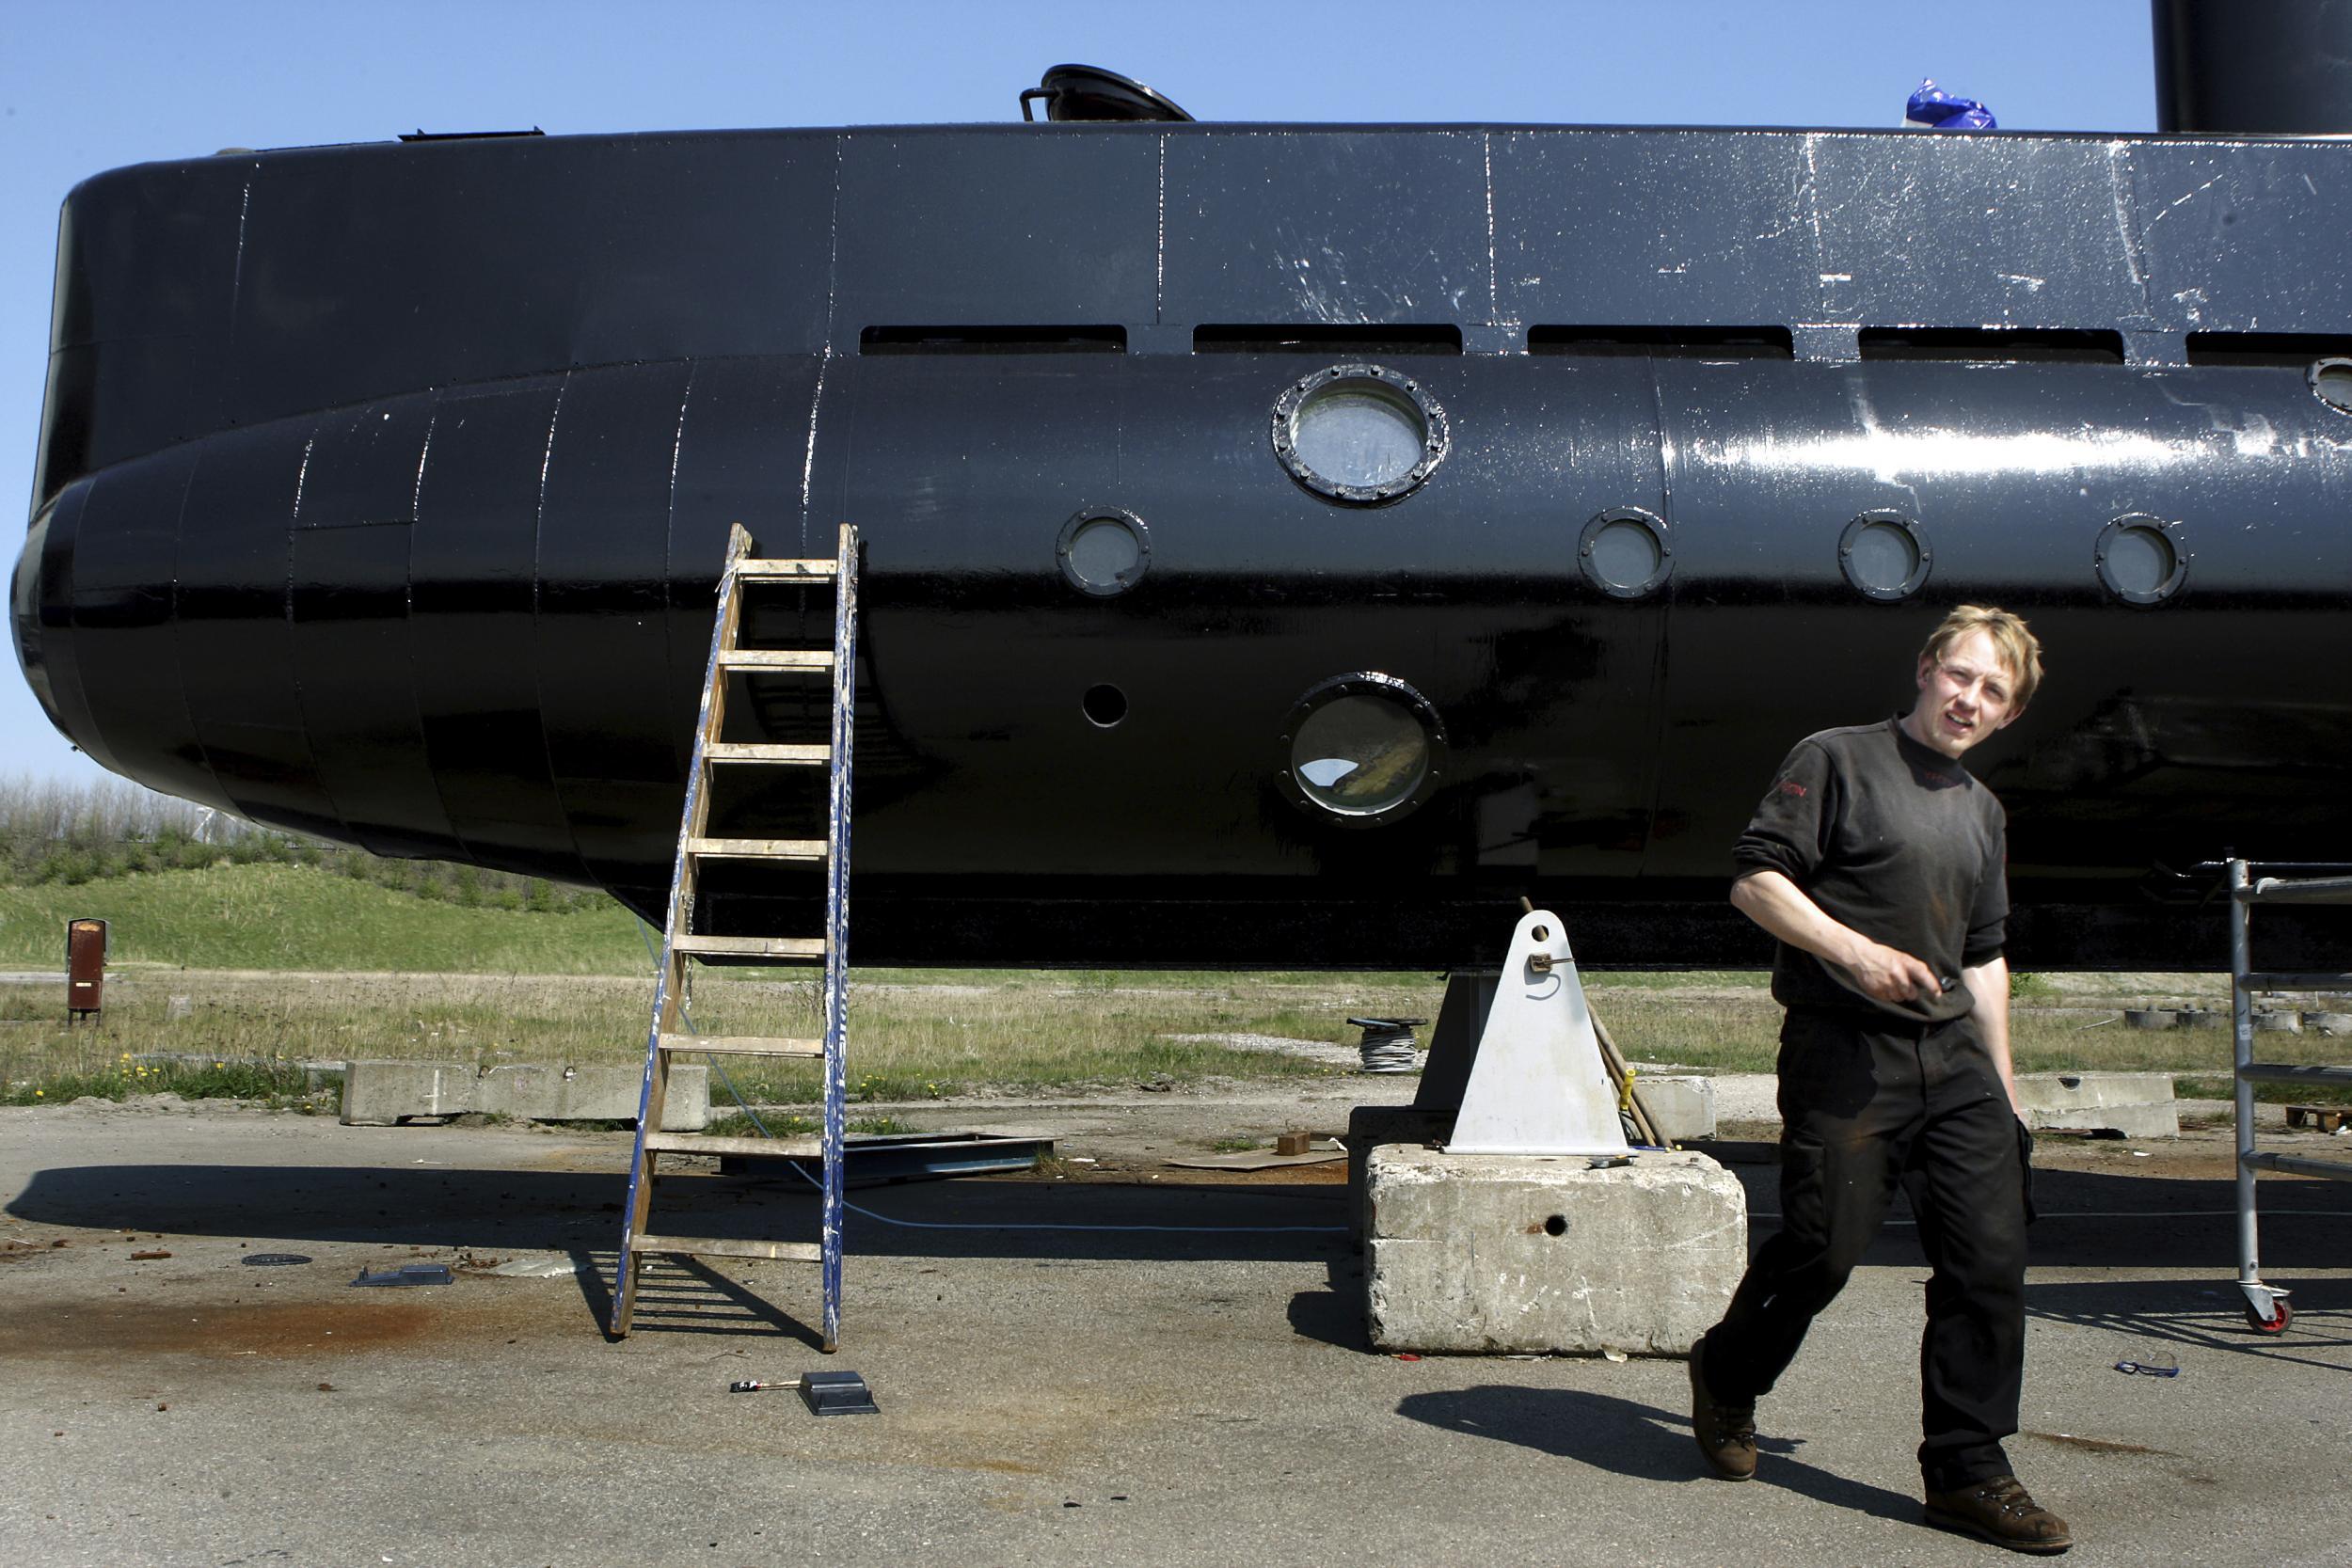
(300, 917)
(278, 1084)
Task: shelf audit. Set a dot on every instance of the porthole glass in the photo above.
(2331, 384)
(2140, 559)
(1361, 749)
(1360, 433)
(1104, 705)
(1884, 555)
(1623, 553)
(1104, 551)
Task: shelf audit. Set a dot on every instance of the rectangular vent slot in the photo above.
(2284, 350)
(993, 339)
(1993, 344)
(1665, 343)
(1328, 339)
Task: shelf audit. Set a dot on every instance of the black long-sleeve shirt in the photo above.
(1895, 840)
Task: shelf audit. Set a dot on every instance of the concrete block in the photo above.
(1484, 1253)
(1370, 1126)
(378, 1094)
(1681, 1108)
(2135, 1104)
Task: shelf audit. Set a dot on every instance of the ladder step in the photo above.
(2282, 981)
(776, 658)
(743, 1045)
(753, 567)
(721, 1246)
(710, 1142)
(760, 751)
(752, 947)
(758, 848)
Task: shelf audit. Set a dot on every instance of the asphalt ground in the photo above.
(1182, 1379)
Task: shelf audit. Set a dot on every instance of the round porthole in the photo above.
(1358, 434)
(2141, 559)
(2331, 383)
(1104, 705)
(1885, 556)
(1103, 550)
(1623, 553)
(1361, 749)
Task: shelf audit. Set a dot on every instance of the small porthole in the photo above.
(2331, 383)
(1104, 551)
(1358, 434)
(1885, 556)
(1361, 749)
(2140, 559)
(1104, 705)
(1623, 553)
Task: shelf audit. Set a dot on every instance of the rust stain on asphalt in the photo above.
(291, 1329)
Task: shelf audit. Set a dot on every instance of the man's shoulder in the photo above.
(1847, 739)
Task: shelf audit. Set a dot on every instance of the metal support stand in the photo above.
(2266, 1306)
(1540, 1085)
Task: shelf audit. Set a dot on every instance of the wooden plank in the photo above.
(724, 1246)
(758, 848)
(712, 1143)
(759, 751)
(743, 1045)
(776, 658)
(753, 948)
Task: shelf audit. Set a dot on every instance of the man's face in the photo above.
(1964, 696)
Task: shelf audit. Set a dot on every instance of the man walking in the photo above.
(1879, 863)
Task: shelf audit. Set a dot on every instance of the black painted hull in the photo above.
(382, 501)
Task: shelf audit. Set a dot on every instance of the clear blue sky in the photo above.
(92, 85)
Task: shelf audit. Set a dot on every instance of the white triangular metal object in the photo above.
(1539, 1086)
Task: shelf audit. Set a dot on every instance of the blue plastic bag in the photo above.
(1938, 110)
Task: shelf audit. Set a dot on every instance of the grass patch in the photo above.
(278, 1084)
(298, 917)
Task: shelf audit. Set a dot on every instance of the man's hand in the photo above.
(1879, 972)
(1890, 974)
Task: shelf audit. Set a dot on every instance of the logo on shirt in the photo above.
(1790, 786)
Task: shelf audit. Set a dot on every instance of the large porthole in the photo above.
(1103, 550)
(1885, 556)
(1358, 434)
(2140, 559)
(1623, 553)
(1361, 749)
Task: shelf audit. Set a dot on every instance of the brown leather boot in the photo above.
(2002, 1511)
(1726, 1431)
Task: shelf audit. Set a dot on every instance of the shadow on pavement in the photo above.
(1636, 1440)
(526, 1210)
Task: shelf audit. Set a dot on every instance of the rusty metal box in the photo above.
(84, 967)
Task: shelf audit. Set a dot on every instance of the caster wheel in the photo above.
(2282, 1314)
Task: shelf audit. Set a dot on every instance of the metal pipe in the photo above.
(2242, 1040)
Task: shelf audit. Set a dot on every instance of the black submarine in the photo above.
(1286, 545)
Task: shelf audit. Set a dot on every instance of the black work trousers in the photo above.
(1867, 1104)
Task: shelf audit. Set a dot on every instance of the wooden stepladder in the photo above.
(670, 1036)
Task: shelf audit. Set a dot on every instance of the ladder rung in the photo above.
(2280, 1072)
(752, 567)
(752, 947)
(712, 1143)
(776, 658)
(758, 848)
(2295, 1165)
(2282, 981)
(2308, 890)
(743, 1045)
(721, 1246)
(760, 751)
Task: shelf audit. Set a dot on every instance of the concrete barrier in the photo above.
(1486, 1253)
(2135, 1104)
(379, 1094)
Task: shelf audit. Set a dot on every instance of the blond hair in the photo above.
(2019, 648)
